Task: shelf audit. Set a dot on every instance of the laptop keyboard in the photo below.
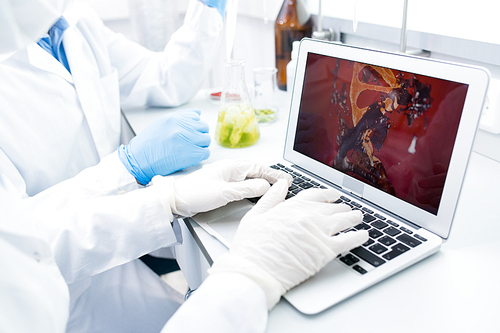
(387, 239)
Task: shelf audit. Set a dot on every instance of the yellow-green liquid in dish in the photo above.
(237, 126)
(265, 115)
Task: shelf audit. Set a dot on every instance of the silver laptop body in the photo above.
(393, 133)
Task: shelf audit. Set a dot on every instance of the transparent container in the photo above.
(236, 123)
(264, 89)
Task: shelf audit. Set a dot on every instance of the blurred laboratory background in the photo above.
(462, 31)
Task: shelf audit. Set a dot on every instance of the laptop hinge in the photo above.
(352, 186)
(316, 176)
(355, 194)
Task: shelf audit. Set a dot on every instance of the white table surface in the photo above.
(455, 290)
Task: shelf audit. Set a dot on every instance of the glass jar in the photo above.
(264, 91)
(236, 123)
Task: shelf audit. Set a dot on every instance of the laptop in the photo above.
(393, 133)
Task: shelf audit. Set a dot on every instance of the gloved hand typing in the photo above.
(280, 244)
(216, 185)
(171, 143)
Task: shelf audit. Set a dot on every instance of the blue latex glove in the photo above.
(220, 5)
(171, 143)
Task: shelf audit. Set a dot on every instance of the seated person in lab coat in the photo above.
(60, 120)
(61, 100)
(108, 292)
(278, 245)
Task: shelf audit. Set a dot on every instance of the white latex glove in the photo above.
(216, 185)
(280, 244)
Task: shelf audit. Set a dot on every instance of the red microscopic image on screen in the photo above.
(394, 130)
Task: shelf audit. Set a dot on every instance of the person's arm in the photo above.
(171, 77)
(99, 219)
(108, 177)
(91, 235)
(278, 245)
(228, 302)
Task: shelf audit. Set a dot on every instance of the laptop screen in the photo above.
(391, 129)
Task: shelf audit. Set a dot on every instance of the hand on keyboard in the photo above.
(280, 243)
(216, 185)
(300, 182)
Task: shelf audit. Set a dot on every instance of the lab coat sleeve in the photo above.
(171, 77)
(108, 177)
(225, 302)
(93, 223)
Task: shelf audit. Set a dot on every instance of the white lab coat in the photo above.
(96, 226)
(35, 297)
(53, 125)
(41, 102)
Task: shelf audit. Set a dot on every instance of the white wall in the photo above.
(473, 20)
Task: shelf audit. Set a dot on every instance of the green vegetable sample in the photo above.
(237, 126)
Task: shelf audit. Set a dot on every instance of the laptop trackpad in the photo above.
(225, 220)
(334, 283)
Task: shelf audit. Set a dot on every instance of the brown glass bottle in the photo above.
(293, 23)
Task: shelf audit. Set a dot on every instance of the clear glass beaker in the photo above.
(236, 123)
(264, 103)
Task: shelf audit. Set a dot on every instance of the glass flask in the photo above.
(236, 123)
